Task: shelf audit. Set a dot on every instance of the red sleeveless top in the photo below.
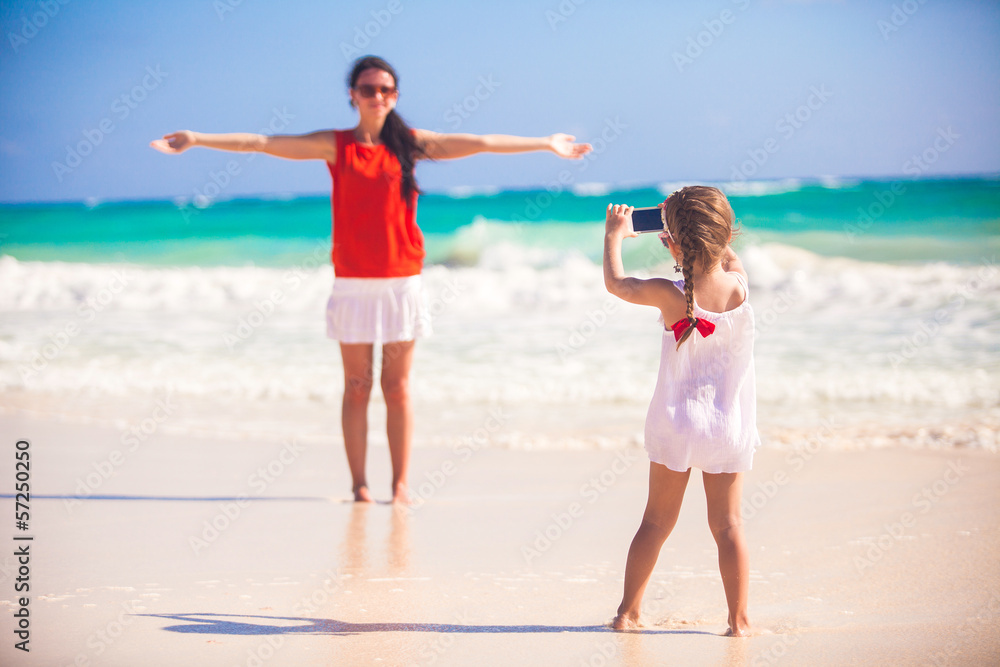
(375, 233)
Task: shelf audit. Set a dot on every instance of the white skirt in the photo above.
(377, 310)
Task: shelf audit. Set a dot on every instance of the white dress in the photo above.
(704, 410)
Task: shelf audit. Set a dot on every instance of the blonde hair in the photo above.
(701, 222)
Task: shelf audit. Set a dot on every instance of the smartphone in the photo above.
(647, 220)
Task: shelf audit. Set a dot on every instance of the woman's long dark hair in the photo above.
(396, 134)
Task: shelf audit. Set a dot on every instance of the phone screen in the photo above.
(647, 220)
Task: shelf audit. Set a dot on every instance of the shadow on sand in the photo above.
(195, 499)
(230, 624)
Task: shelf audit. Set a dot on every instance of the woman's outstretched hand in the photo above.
(563, 146)
(618, 222)
(176, 142)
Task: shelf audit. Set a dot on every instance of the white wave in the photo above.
(837, 182)
(466, 191)
(591, 189)
(669, 187)
(527, 327)
(98, 288)
(738, 188)
(760, 188)
(483, 241)
(832, 284)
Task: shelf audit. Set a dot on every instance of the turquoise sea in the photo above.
(954, 220)
(877, 304)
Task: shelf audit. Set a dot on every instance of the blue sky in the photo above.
(697, 91)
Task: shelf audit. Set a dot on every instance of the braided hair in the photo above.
(396, 135)
(701, 221)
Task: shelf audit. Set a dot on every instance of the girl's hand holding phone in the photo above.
(619, 221)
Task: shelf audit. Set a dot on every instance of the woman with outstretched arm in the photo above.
(378, 248)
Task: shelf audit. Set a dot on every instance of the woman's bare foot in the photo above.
(626, 622)
(740, 629)
(361, 494)
(400, 495)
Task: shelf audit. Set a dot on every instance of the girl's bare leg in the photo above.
(724, 493)
(354, 412)
(397, 360)
(666, 491)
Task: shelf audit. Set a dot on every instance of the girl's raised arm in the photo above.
(658, 292)
(440, 146)
(313, 146)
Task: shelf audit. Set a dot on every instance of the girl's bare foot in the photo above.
(626, 622)
(361, 494)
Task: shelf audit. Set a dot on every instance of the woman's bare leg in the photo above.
(397, 360)
(354, 412)
(666, 492)
(724, 493)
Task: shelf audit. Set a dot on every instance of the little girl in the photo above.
(703, 411)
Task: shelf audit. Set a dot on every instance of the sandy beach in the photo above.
(205, 203)
(247, 552)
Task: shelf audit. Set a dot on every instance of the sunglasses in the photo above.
(368, 91)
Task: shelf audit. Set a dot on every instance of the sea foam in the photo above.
(531, 330)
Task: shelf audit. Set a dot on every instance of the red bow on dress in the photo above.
(704, 327)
